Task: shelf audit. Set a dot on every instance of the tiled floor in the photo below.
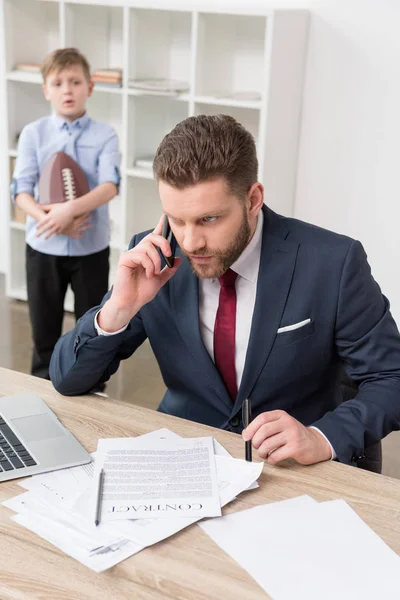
(137, 381)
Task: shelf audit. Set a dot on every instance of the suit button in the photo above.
(234, 422)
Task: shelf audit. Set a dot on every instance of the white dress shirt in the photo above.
(246, 267)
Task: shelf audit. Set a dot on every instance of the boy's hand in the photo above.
(59, 216)
(78, 227)
(138, 280)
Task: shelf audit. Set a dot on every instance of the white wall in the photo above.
(350, 137)
(348, 173)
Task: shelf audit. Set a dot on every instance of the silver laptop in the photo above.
(32, 439)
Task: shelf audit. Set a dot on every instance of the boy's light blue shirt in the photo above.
(94, 146)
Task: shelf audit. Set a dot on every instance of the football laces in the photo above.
(69, 183)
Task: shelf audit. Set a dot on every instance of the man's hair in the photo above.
(62, 59)
(206, 147)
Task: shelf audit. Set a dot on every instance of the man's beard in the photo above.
(223, 258)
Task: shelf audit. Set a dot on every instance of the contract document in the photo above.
(164, 478)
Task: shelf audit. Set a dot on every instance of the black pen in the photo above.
(246, 418)
(100, 481)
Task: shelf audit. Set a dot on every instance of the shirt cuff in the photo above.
(110, 174)
(19, 187)
(333, 457)
(101, 331)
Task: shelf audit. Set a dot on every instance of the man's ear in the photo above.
(255, 199)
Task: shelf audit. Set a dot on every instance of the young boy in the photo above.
(67, 242)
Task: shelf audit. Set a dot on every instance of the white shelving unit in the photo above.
(249, 65)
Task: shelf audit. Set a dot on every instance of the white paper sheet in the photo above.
(96, 561)
(304, 550)
(50, 509)
(149, 478)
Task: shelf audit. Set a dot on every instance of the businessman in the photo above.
(256, 306)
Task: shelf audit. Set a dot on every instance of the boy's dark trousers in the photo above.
(47, 278)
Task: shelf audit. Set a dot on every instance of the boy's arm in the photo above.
(26, 175)
(28, 203)
(100, 195)
(108, 182)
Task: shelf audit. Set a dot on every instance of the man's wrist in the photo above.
(111, 319)
(325, 449)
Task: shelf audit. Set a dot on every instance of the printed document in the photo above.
(163, 478)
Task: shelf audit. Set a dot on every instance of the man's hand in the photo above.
(58, 218)
(78, 227)
(138, 280)
(276, 435)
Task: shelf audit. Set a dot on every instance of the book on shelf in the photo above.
(110, 84)
(241, 95)
(101, 79)
(159, 85)
(144, 162)
(108, 73)
(27, 67)
(108, 77)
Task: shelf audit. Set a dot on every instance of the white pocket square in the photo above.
(294, 326)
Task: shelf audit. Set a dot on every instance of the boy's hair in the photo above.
(62, 59)
(206, 147)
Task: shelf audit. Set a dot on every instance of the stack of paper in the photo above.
(301, 549)
(159, 86)
(154, 486)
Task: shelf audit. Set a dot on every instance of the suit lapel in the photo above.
(184, 289)
(277, 263)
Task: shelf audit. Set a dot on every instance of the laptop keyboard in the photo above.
(13, 454)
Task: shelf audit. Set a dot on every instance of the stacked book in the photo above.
(27, 67)
(159, 86)
(108, 77)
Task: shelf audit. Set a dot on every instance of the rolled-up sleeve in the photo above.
(109, 161)
(26, 171)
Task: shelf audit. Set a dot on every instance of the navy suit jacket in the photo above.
(305, 273)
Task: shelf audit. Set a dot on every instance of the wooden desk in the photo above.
(188, 566)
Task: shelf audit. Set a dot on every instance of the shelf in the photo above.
(26, 103)
(32, 30)
(247, 65)
(141, 173)
(24, 76)
(230, 53)
(150, 118)
(213, 101)
(97, 30)
(160, 44)
(108, 109)
(145, 213)
(98, 87)
(177, 97)
(249, 117)
(17, 226)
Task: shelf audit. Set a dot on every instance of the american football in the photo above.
(61, 179)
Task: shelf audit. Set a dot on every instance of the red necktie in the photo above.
(224, 332)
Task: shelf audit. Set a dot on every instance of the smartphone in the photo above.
(169, 236)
